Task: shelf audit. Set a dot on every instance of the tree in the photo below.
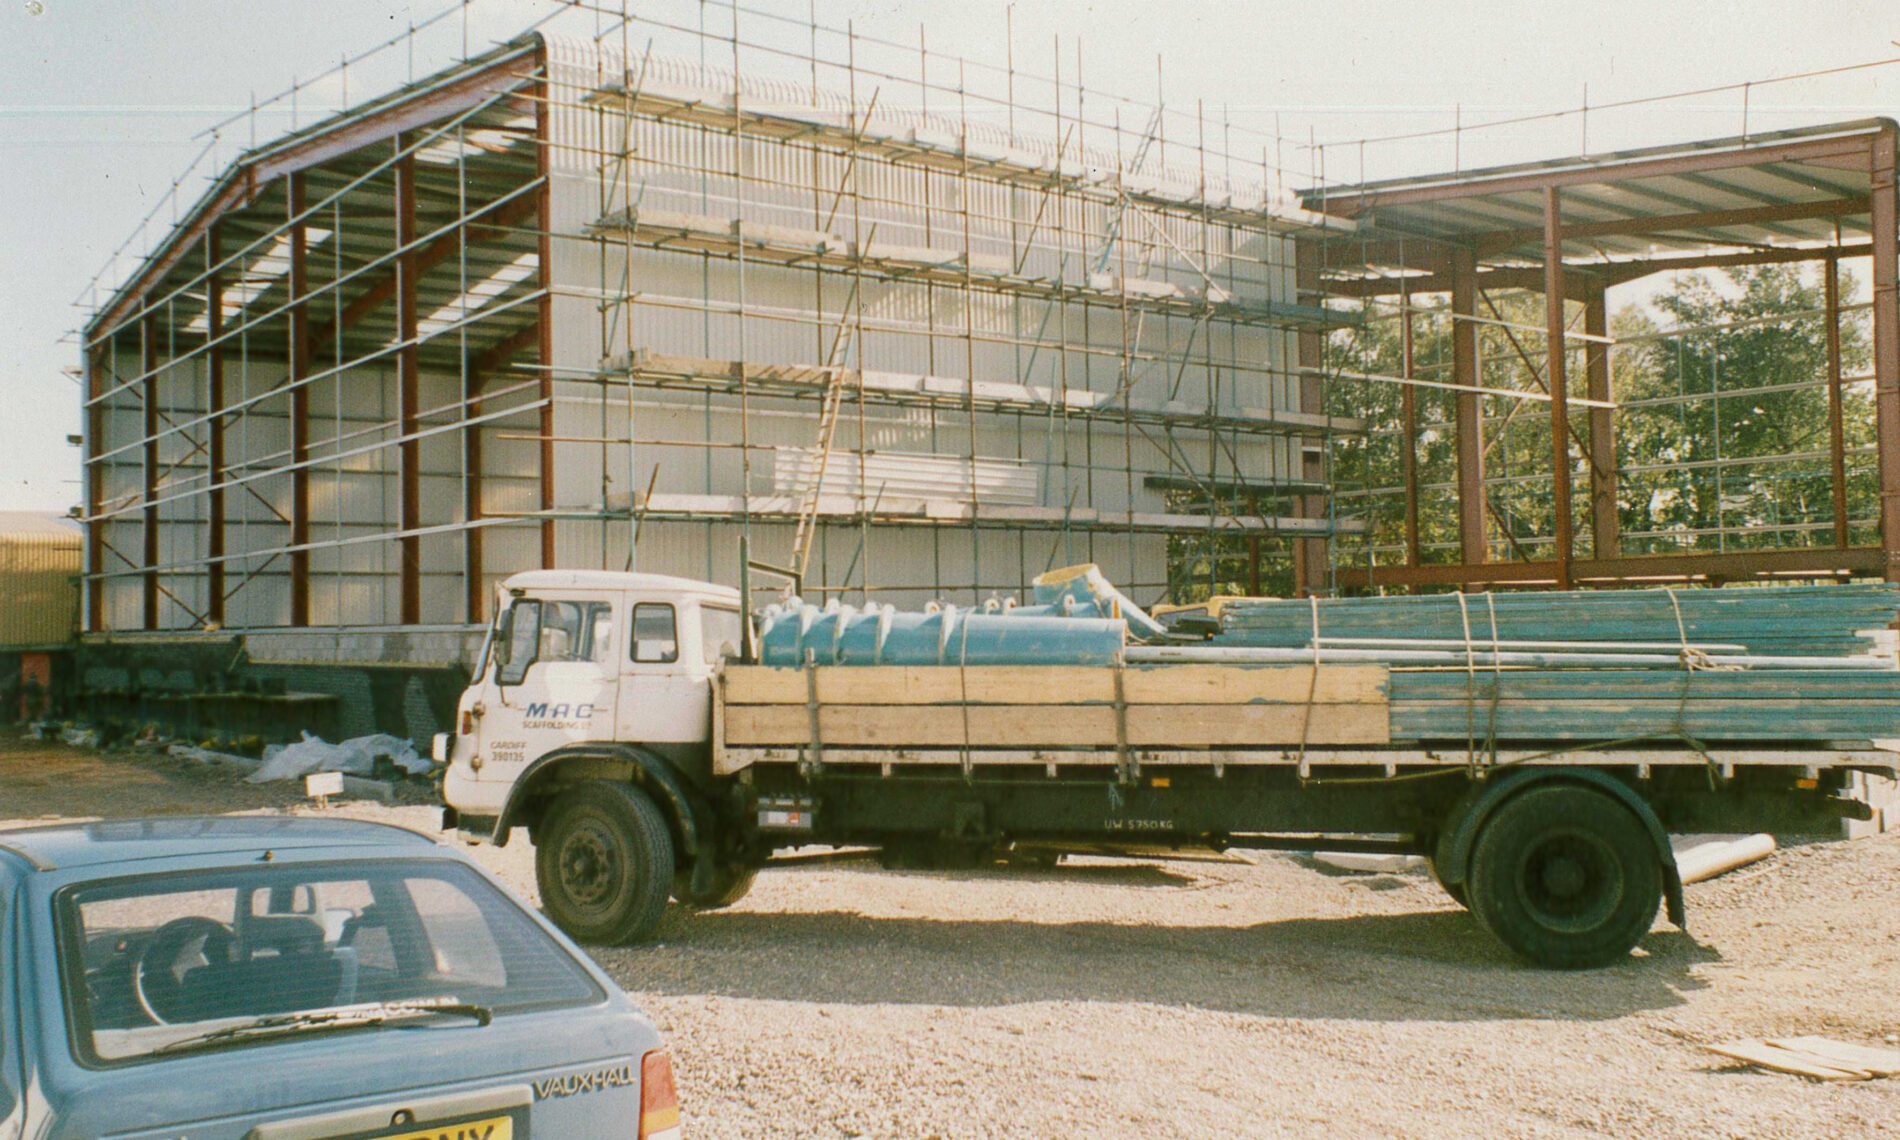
(1697, 408)
(1723, 433)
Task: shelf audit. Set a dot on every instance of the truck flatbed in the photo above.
(614, 720)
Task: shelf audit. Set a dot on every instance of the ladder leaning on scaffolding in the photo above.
(832, 402)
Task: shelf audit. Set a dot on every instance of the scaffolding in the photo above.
(898, 324)
(696, 288)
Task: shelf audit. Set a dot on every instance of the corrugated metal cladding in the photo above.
(686, 304)
(40, 561)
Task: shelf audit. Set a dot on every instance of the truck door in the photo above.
(557, 673)
(665, 698)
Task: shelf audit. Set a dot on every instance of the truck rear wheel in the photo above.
(1455, 890)
(604, 863)
(1565, 876)
(729, 885)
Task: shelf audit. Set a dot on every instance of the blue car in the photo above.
(300, 979)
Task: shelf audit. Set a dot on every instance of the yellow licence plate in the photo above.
(490, 1128)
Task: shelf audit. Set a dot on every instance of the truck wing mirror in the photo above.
(504, 636)
(523, 619)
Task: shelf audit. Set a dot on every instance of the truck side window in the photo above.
(655, 633)
(576, 631)
(721, 633)
(520, 641)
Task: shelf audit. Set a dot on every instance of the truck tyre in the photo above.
(1565, 876)
(729, 885)
(1455, 890)
(604, 863)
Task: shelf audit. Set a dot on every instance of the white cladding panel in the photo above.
(690, 305)
(612, 297)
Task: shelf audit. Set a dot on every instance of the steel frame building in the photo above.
(897, 336)
(1441, 247)
(578, 304)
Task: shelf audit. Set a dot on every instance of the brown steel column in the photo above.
(1554, 374)
(408, 385)
(1605, 541)
(1408, 420)
(1887, 345)
(472, 495)
(1473, 550)
(214, 425)
(1836, 411)
(299, 409)
(148, 365)
(1310, 555)
(98, 376)
(545, 223)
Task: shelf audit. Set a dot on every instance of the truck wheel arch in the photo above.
(543, 779)
(1459, 836)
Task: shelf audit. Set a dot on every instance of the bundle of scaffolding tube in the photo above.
(1774, 664)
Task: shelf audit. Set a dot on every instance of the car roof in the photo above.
(134, 840)
(617, 580)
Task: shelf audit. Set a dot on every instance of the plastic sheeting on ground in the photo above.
(356, 757)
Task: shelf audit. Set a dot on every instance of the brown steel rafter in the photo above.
(497, 221)
(498, 80)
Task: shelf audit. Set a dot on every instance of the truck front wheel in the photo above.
(604, 863)
(1566, 876)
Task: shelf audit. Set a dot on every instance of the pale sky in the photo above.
(100, 100)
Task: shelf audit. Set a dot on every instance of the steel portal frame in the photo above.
(316, 263)
(397, 227)
(1490, 250)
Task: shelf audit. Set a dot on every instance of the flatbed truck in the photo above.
(614, 719)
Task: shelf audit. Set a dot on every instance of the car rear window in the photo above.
(152, 961)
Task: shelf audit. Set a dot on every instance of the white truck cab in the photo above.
(586, 656)
(590, 705)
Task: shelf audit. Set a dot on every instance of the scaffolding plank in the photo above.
(989, 395)
(726, 111)
(720, 237)
(951, 511)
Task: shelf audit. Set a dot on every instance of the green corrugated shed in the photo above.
(40, 561)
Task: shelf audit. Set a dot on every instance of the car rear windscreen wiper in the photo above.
(366, 1015)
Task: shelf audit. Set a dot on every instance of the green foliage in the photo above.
(1722, 436)
(1758, 400)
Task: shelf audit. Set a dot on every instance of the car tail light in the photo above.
(659, 1099)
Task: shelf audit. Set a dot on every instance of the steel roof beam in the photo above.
(1507, 240)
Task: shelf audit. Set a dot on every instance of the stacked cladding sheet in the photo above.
(1747, 664)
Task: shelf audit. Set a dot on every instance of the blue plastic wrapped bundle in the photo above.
(880, 635)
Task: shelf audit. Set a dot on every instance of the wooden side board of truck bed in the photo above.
(1071, 708)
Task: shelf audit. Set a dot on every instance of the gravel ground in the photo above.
(1195, 999)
